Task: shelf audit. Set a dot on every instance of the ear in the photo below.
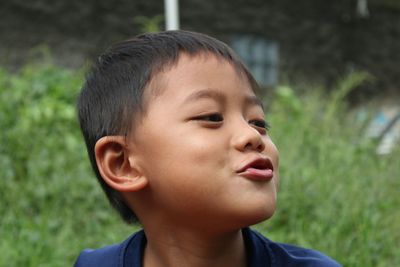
(117, 166)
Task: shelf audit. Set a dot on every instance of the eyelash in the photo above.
(218, 118)
(214, 117)
(261, 124)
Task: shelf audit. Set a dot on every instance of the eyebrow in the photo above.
(205, 94)
(255, 101)
(210, 93)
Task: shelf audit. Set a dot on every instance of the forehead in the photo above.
(195, 72)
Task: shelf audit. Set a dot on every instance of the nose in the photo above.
(248, 138)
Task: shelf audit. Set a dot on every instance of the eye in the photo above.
(214, 118)
(260, 125)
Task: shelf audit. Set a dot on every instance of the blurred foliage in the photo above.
(149, 24)
(36, 113)
(48, 196)
(336, 194)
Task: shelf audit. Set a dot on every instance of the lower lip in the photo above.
(257, 174)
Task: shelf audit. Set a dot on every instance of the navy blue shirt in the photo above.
(261, 252)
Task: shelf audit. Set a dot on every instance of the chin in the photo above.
(262, 216)
(255, 216)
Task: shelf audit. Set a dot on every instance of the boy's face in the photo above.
(201, 130)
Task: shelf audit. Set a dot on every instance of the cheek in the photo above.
(185, 171)
(272, 151)
(204, 152)
(199, 146)
(187, 153)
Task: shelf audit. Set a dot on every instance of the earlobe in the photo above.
(116, 166)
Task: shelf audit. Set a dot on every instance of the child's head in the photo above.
(185, 106)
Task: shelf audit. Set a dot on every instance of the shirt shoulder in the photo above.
(102, 257)
(109, 256)
(289, 255)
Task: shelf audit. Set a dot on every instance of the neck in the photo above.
(166, 247)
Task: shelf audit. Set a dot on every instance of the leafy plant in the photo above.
(149, 24)
(48, 194)
(336, 195)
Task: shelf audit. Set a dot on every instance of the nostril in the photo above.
(255, 144)
(261, 147)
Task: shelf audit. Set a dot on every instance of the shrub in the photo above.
(336, 194)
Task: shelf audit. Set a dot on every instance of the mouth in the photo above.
(260, 169)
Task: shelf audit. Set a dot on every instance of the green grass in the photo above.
(336, 194)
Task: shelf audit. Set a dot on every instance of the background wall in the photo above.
(319, 41)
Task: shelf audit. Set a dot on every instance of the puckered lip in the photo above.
(261, 163)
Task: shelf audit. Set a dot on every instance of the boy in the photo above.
(178, 141)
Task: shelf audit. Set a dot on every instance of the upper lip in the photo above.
(258, 163)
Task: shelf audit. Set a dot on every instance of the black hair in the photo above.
(112, 96)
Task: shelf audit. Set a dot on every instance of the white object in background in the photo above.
(380, 121)
(362, 9)
(389, 140)
(385, 127)
(171, 14)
